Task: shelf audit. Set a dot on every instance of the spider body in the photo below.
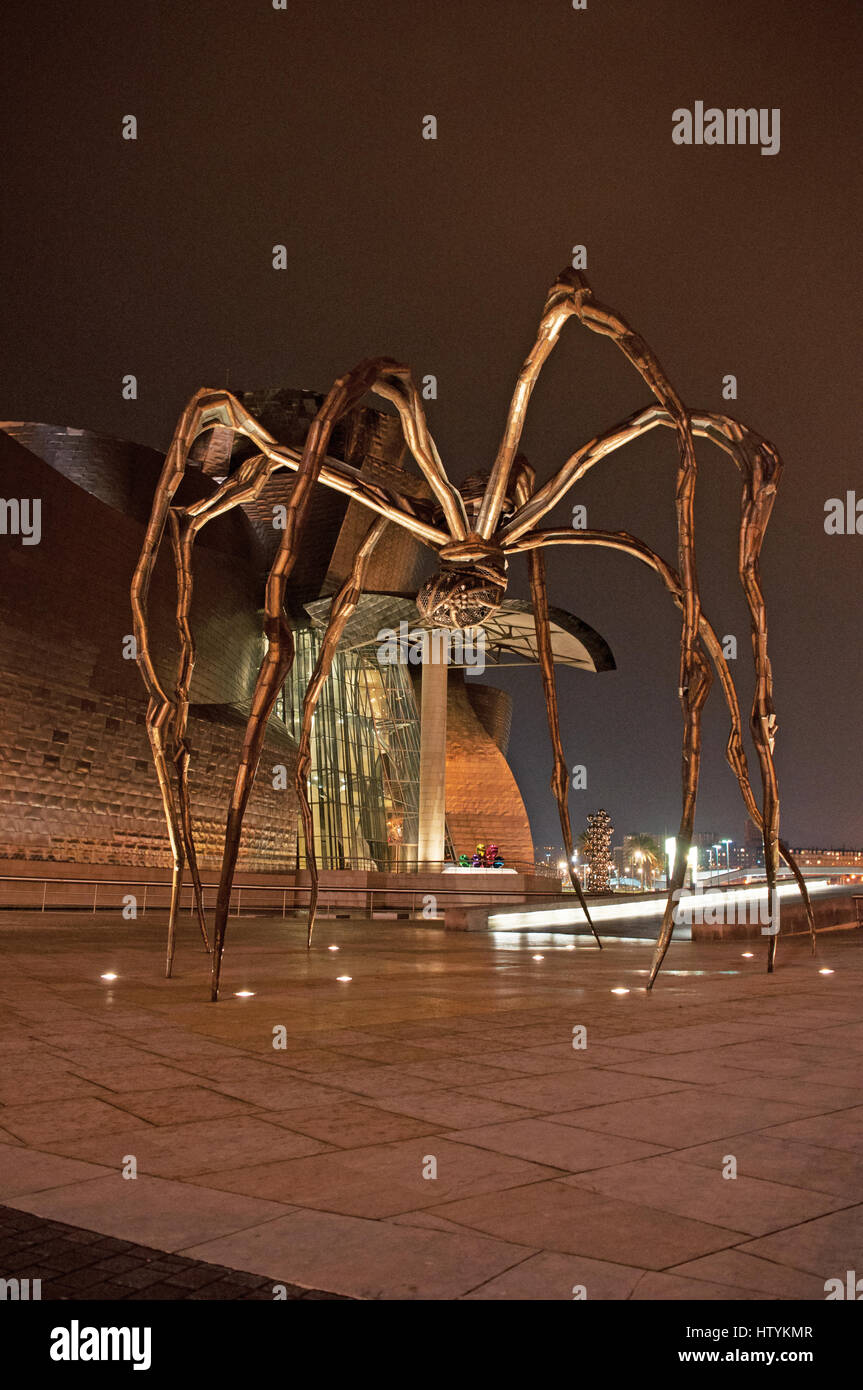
(469, 586)
(475, 531)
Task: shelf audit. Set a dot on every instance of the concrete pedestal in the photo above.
(432, 808)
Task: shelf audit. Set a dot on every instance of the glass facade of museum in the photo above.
(364, 779)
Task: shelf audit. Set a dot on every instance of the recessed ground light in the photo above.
(620, 989)
(244, 994)
(332, 948)
(569, 948)
(344, 978)
(108, 976)
(537, 957)
(748, 955)
(825, 970)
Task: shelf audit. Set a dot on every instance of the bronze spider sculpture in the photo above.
(474, 532)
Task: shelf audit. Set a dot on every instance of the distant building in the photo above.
(829, 858)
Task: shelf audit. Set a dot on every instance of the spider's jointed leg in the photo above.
(343, 395)
(542, 623)
(560, 774)
(695, 675)
(343, 605)
(157, 713)
(167, 718)
(735, 752)
(185, 523)
(182, 753)
(620, 540)
(161, 708)
(760, 467)
(571, 295)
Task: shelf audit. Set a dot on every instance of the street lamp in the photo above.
(692, 861)
(639, 859)
(671, 856)
(726, 843)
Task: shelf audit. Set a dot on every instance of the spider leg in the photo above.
(181, 546)
(156, 717)
(620, 540)
(346, 392)
(735, 752)
(759, 493)
(185, 523)
(208, 407)
(396, 384)
(560, 774)
(760, 466)
(218, 406)
(571, 295)
(554, 316)
(735, 755)
(160, 708)
(600, 319)
(343, 605)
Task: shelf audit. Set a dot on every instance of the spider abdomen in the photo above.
(460, 596)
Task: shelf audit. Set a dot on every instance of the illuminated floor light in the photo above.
(537, 957)
(748, 955)
(344, 978)
(108, 976)
(244, 994)
(332, 948)
(569, 948)
(620, 989)
(825, 970)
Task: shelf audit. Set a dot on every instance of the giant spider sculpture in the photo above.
(474, 532)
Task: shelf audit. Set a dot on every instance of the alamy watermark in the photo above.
(438, 646)
(733, 126)
(843, 516)
(21, 516)
(849, 1287)
(20, 1290)
(77, 1343)
(760, 907)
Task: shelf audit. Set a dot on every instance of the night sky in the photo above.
(302, 126)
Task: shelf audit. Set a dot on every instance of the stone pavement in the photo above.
(428, 1131)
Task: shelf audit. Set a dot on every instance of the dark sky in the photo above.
(303, 127)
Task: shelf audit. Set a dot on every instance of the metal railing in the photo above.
(93, 895)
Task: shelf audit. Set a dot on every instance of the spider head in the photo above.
(467, 589)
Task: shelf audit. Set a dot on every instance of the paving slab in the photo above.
(382, 1179)
(828, 1246)
(167, 1215)
(365, 1259)
(742, 1203)
(559, 1216)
